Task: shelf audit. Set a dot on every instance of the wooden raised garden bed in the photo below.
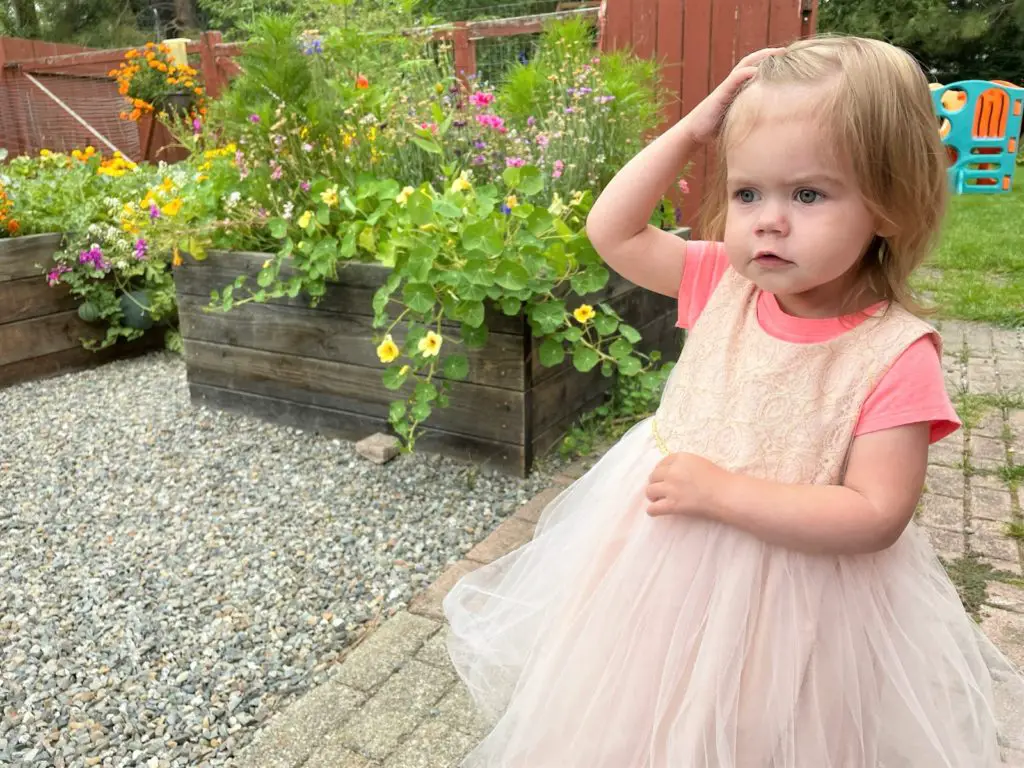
(40, 331)
(317, 368)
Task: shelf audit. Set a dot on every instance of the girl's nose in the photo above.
(772, 220)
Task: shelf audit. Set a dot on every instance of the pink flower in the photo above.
(514, 162)
(480, 99)
(54, 277)
(559, 167)
(276, 173)
(542, 140)
(432, 127)
(492, 121)
(684, 187)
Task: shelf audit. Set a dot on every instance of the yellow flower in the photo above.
(330, 196)
(430, 344)
(461, 184)
(583, 313)
(388, 350)
(167, 185)
(45, 153)
(404, 370)
(403, 196)
(511, 201)
(577, 198)
(305, 218)
(172, 208)
(267, 263)
(557, 207)
(176, 261)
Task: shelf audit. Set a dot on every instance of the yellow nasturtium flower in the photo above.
(387, 351)
(403, 196)
(583, 313)
(430, 344)
(330, 196)
(305, 218)
(462, 183)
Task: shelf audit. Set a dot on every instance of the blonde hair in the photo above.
(880, 115)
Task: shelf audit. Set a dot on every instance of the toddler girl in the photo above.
(738, 583)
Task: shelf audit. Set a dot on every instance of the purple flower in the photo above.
(154, 212)
(531, 120)
(254, 118)
(277, 171)
(314, 46)
(514, 162)
(94, 256)
(459, 123)
(141, 248)
(569, 110)
(479, 144)
(604, 99)
(479, 160)
(54, 277)
(278, 140)
(505, 209)
(584, 91)
(304, 186)
(197, 126)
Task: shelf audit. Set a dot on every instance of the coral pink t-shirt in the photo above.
(911, 391)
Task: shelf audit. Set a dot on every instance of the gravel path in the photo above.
(171, 576)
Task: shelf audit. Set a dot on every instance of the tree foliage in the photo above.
(954, 39)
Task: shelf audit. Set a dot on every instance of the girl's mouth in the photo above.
(770, 260)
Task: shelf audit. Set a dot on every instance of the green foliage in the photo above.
(124, 287)
(348, 146)
(955, 40)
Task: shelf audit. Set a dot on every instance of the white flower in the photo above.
(288, 209)
(121, 264)
(369, 119)
(233, 199)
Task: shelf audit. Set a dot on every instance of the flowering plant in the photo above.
(122, 283)
(149, 77)
(335, 165)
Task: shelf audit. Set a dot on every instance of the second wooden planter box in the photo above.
(40, 331)
(317, 368)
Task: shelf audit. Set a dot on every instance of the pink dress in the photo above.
(617, 640)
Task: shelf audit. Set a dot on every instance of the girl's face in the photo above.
(796, 224)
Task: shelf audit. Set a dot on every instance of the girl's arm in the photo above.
(868, 513)
(618, 223)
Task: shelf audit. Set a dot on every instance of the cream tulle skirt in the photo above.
(617, 640)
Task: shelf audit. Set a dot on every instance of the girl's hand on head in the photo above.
(706, 118)
(683, 484)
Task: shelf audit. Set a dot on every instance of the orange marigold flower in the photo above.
(13, 227)
(362, 82)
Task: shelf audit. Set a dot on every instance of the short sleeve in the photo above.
(703, 267)
(912, 391)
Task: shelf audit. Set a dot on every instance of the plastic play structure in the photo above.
(980, 124)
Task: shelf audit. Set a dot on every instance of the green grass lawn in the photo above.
(978, 271)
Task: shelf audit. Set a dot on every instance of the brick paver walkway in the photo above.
(396, 702)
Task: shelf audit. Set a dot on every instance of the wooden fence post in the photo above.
(212, 78)
(465, 53)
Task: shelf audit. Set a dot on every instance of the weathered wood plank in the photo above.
(486, 412)
(74, 359)
(33, 297)
(19, 256)
(333, 336)
(352, 294)
(42, 336)
(355, 426)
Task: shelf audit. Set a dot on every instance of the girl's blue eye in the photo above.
(808, 196)
(746, 195)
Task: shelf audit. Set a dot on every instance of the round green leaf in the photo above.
(474, 338)
(393, 379)
(425, 392)
(419, 297)
(547, 316)
(629, 333)
(551, 353)
(456, 367)
(510, 305)
(620, 349)
(421, 411)
(584, 358)
(605, 325)
(511, 275)
(630, 366)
